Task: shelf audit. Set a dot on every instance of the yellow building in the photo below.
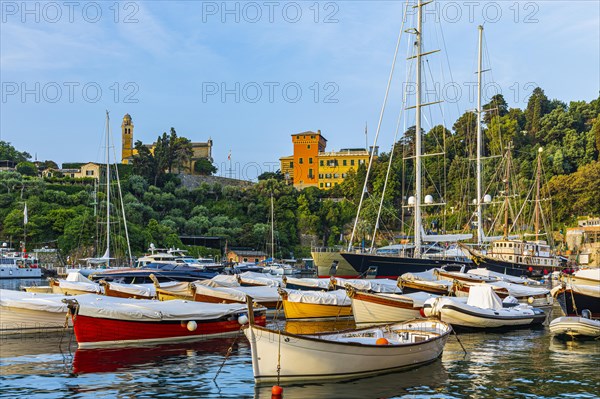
(311, 166)
(287, 167)
(199, 149)
(334, 166)
(90, 169)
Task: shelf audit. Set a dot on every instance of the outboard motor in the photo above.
(586, 314)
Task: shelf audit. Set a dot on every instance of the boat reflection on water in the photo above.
(107, 360)
(571, 351)
(317, 326)
(424, 380)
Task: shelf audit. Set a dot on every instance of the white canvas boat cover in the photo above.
(34, 301)
(322, 283)
(261, 279)
(151, 310)
(504, 277)
(77, 276)
(371, 285)
(592, 274)
(259, 294)
(220, 280)
(438, 284)
(483, 296)
(179, 288)
(421, 276)
(419, 298)
(519, 290)
(589, 290)
(336, 298)
(87, 285)
(470, 276)
(142, 289)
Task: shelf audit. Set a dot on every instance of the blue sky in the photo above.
(250, 74)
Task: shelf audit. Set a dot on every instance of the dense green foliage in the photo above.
(170, 153)
(204, 167)
(159, 209)
(9, 153)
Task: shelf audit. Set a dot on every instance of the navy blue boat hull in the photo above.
(394, 266)
(163, 272)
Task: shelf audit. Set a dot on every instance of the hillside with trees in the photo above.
(159, 209)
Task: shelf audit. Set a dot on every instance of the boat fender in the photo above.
(192, 325)
(243, 319)
(382, 341)
(422, 313)
(530, 300)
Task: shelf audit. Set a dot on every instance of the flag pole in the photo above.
(230, 169)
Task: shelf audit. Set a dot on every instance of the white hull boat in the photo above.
(538, 297)
(572, 327)
(19, 267)
(75, 284)
(482, 309)
(582, 277)
(28, 313)
(340, 355)
(369, 309)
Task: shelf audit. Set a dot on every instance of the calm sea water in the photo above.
(517, 364)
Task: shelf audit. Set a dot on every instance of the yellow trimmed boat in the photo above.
(302, 327)
(299, 304)
(38, 289)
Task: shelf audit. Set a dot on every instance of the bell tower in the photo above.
(127, 139)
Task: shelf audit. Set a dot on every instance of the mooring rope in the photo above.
(229, 350)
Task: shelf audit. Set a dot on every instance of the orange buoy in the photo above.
(276, 390)
(382, 341)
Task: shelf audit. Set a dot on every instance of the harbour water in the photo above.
(525, 363)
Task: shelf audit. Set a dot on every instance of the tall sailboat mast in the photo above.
(479, 143)
(537, 193)
(107, 253)
(272, 231)
(506, 188)
(418, 44)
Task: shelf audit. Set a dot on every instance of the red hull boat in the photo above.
(109, 322)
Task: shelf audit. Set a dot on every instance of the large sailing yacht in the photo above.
(425, 252)
(508, 254)
(517, 256)
(108, 226)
